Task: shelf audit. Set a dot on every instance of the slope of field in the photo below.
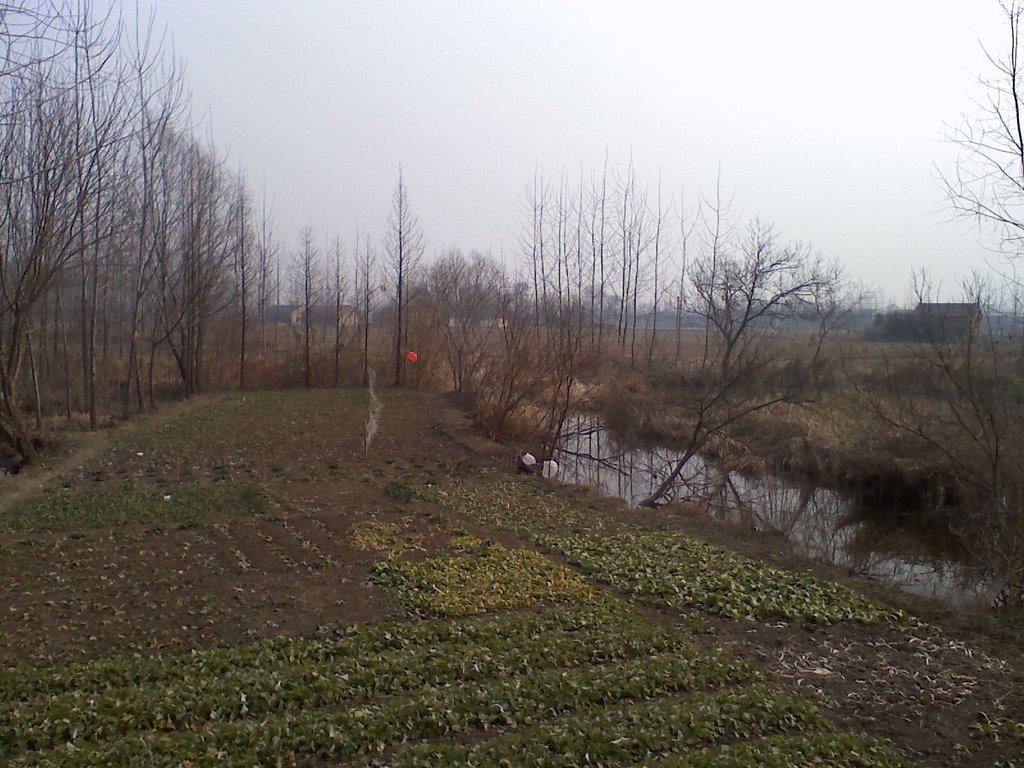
(241, 585)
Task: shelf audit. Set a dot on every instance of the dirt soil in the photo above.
(296, 570)
(146, 588)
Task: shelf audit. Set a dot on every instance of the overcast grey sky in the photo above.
(826, 118)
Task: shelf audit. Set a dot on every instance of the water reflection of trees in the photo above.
(820, 524)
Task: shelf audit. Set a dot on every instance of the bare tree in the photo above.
(33, 31)
(308, 271)
(159, 104)
(952, 400)
(512, 375)
(193, 269)
(267, 263)
(243, 269)
(404, 244)
(657, 266)
(367, 286)
(975, 415)
(53, 154)
(465, 294)
(533, 239)
(688, 221)
(116, 226)
(340, 315)
(101, 126)
(987, 182)
(767, 309)
(598, 226)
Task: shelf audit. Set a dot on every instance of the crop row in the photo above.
(321, 557)
(491, 578)
(325, 732)
(191, 702)
(665, 567)
(94, 699)
(241, 559)
(24, 683)
(683, 572)
(779, 726)
(389, 540)
(822, 750)
(517, 506)
(275, 548)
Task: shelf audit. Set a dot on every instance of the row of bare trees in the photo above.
(122, 234)
(133, 261)
(134, 264)
(601, 245)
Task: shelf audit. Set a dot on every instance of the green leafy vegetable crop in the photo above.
(492, 578)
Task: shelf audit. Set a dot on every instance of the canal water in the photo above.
(820, 523)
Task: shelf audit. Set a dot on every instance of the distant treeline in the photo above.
(928, 322)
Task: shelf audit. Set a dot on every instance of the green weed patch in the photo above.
(664, 567)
